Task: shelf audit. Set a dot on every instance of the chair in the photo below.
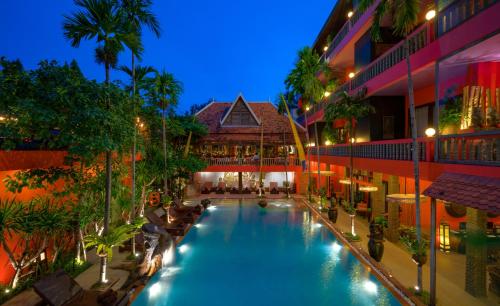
(362, 208)
(58, 289)
(174, 229)
(273, 188)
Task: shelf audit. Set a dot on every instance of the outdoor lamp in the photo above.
(349, 15)
(307, 108)
(328, 142)
(368, 188)
(345, 181)
(351, 75)
(430, 14)
(327, 94)
(444, 236)
(430, 132)
(325, 48)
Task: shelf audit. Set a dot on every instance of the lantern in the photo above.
(444, 237)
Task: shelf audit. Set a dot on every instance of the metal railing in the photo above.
(235, 161)
(459, 11)
(473, 148)
(400, 149)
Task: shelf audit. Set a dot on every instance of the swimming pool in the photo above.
(241, 254)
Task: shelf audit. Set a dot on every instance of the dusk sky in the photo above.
(216, 48)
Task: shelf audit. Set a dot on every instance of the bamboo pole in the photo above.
(497, 95)
(465, 103)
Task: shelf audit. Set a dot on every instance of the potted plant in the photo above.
(450, 115)
(205, 203)
(376, 238)
(417, 249)
(322, 199)
(333, 211)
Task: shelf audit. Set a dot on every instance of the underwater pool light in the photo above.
(211, 208)
(183, 248)
(336, 247)
(155, 289)
(370, 286)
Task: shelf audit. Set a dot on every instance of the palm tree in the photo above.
(104, 21)
(138, 13)
(303, 81)
(164, 90)
(351, 108)
(404, 14)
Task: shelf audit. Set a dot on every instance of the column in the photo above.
(392, 233)
(240, 182)
(378, 197)
(475, 253)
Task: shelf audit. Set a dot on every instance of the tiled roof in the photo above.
(470, 190)
(274, 123)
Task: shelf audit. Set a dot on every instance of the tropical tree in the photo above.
(303, 81)
(104, 21)
(138, 13)
(351, 108)
(404, 15)
(164, 91)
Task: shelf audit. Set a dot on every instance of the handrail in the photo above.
(236, 161)
(399, 149)
(458, 12)
(482, 148)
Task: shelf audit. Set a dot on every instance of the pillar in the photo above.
(392, 233)
(302, 179)
(240, 182)
(475, 253)
(378, 197)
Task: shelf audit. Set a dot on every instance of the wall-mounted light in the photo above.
(430, 132)
(328, 143)
(368, 188)
(351, 75)
(325, 48)
(430, 15)
(312, 144)
(353, 140)
(349, 15)
(345, 181)
(307, 108)
(327, 94)
(444, 236)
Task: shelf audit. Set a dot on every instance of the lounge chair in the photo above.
(221, 188)
(273, 188)
(207, 188)
(174, 229)
(58, 289)
(180, 207)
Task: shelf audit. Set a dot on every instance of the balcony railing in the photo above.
(342, 33)
(459, 11)
(234, 161)
(473, 148)
(400, 149)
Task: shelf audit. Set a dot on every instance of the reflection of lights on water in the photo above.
(211, 208)
(336, 247)
(168, 256)
(279, 204)
(317, 225)
(370, 286)
(183, 248)
(155, 289)
(170, 271)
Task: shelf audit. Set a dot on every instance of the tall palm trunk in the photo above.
(107, 201)
(317, 155)
(415, 150)
(287, 186)
(351, 175)
(164, 140)
(308, 160)
(134, 149)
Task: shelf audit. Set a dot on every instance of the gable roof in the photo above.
(229, 111)
(469, 190)
(273, 123)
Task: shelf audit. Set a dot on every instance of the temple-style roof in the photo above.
(469, 190)
(240, 121)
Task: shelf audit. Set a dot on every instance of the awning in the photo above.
(478, 192)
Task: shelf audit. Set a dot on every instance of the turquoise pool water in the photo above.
(241, 254)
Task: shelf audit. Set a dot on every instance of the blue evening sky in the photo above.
(216, 48)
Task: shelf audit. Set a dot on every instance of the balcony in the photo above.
(480, 148)
(400, 149)
(234, 161)
(459, 11)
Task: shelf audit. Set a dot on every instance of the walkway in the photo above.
(397, 261)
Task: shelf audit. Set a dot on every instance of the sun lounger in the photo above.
(180, 207)
(58, 289)
(174, 229)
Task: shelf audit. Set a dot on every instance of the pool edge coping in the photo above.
(390, 282)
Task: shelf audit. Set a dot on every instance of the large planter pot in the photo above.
(262, 203)
(205, 203)
(333, 214)
(376, 241)
(420, 260)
